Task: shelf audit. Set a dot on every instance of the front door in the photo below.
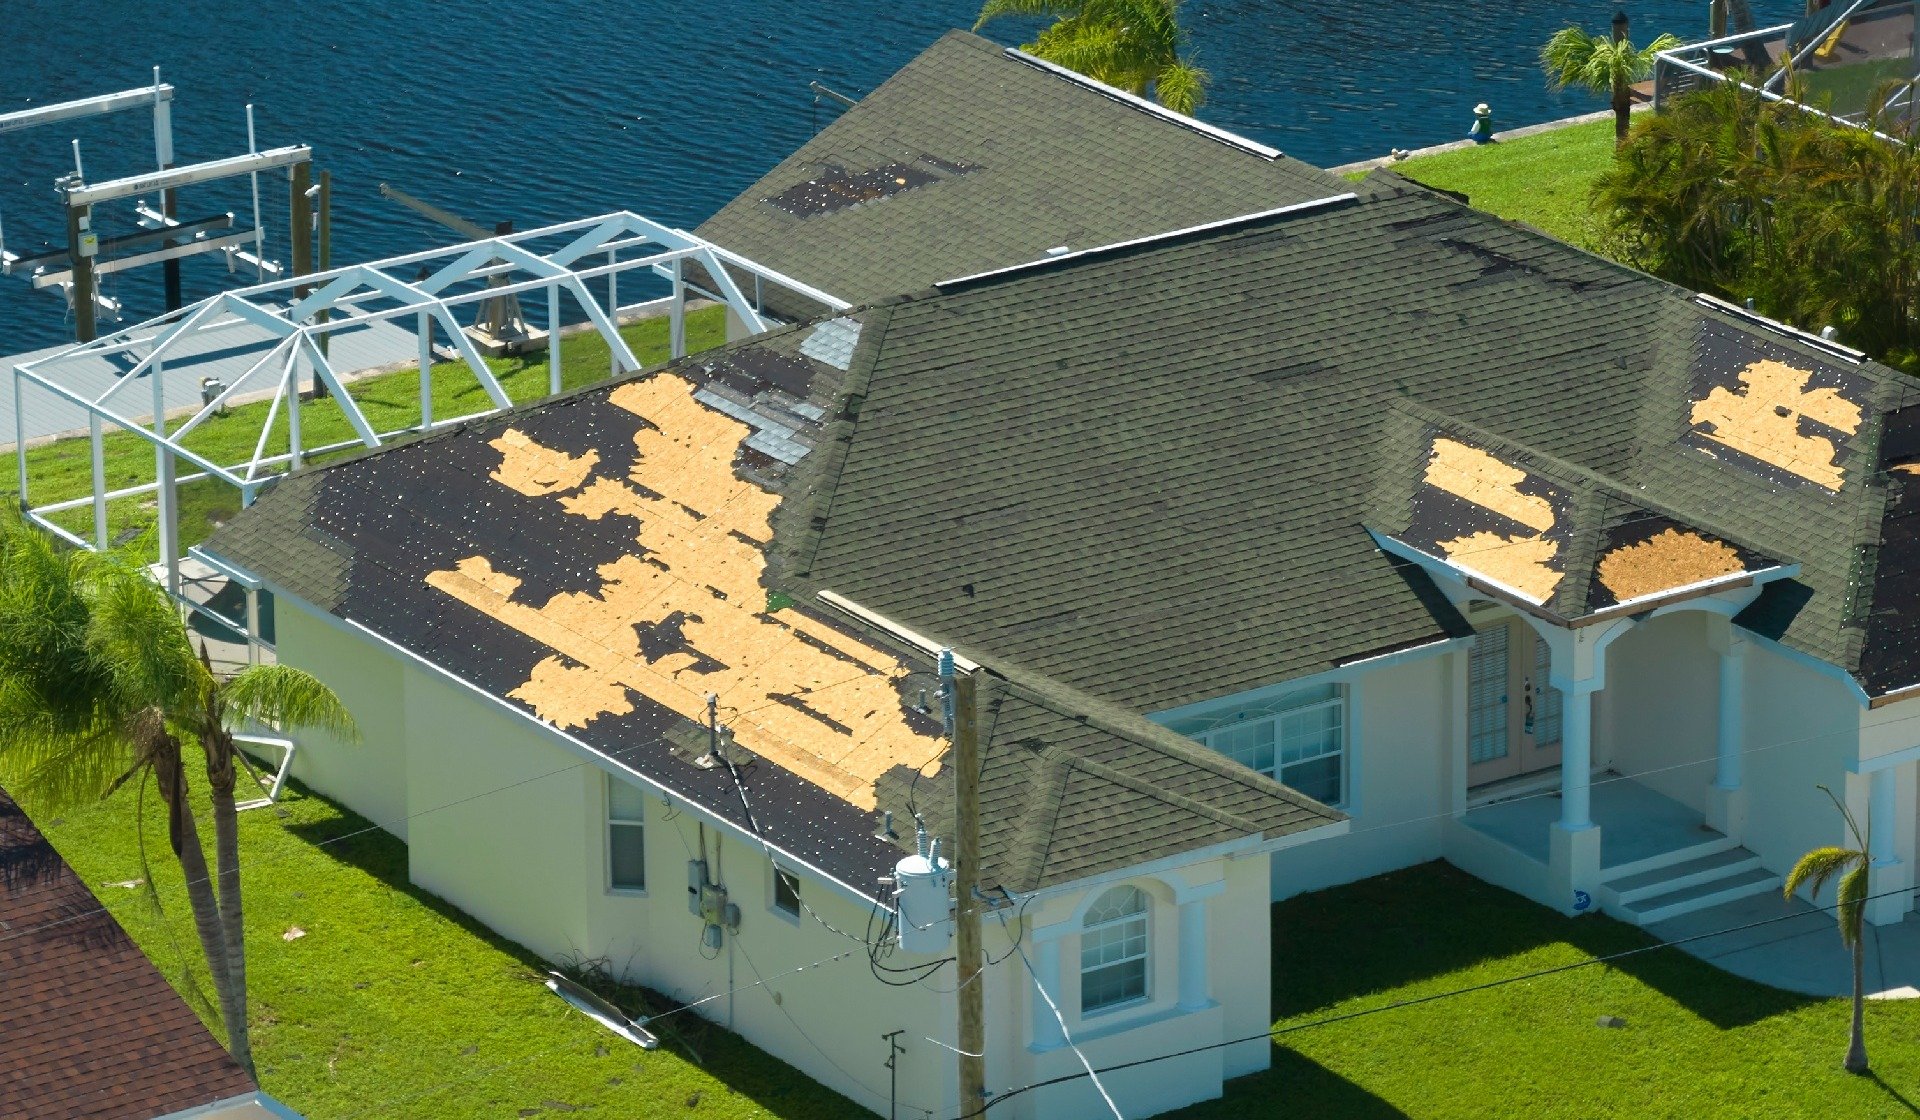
(1513, 714)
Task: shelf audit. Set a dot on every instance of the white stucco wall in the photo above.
(1803, 729)
(370, 776)
(506, 821)
(1660, 708)
(1401, 717)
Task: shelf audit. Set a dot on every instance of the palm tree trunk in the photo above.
(226, 855)
(183, 836)
(1622, 111)
(1857, 1045)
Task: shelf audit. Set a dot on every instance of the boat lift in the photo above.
(76, 270)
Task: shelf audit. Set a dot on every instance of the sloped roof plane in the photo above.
(969, 159)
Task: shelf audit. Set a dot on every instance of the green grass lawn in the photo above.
(63, 469)
(1698, 1042)
(394, 1003)
(1542, 179)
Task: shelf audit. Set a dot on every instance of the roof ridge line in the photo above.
(1071, 759)
(1134, 101)
(959, 283)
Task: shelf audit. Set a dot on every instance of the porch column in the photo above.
(1886, 871)
(1726, 801)
(1574, 841)
(1046, 965)
(1193, 955)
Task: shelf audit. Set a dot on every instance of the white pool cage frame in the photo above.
(292, 316)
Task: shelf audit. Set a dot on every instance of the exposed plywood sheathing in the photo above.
(1472, 474)
(685, 614)
(1522, 563)
(1764, 421)
(1663, 562)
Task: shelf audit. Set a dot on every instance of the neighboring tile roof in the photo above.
(89, 1030)
(969, 159)
(597, 561)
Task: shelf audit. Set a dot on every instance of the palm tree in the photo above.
(100, 685)
(1814, 869)
(1136, 45)
(1604, 65)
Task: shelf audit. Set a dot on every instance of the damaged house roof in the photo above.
(1125, 482)
(89, 1029)
(600, 562)
(969, 158)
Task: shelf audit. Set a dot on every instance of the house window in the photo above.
(626, 837)
(1113, 950)
(786, 892)
(1300, 740)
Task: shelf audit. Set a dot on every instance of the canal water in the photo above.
(546, 110)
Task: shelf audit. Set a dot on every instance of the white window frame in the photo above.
(773, 892)
(1214, 737)
(613, 822)
(1145, 919)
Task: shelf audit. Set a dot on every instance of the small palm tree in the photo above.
(1850, 897)
(1136, 45)
(100, 685)
(1603, 64)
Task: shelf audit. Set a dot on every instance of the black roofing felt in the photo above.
(1002, 161)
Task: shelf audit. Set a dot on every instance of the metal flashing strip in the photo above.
(1211, 132)
(883, 623)
(1838, 350)
(1307, 207)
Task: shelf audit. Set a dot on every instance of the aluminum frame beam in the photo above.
(174, 178)
(143, 98)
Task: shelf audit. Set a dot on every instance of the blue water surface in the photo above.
(546, 110)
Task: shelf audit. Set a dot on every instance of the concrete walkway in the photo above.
(1799, 948)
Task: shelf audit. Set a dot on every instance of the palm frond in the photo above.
(995, 9)
(1816, 867)
(1181, 87)
(287, 697)
(136, 634)
(1850, 898)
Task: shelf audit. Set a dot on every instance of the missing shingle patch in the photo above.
(1521, 563)
(836, 188)
(832, 342)
(674, 630)
(1470, 473)
(1670, 559)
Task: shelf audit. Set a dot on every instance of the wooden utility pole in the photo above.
(81, 256)
(326, 262)
(966, 889)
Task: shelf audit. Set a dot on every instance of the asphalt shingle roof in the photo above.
(1002, 161)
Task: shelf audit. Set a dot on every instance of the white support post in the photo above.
(613, 312)
(20, 437)
(677, 314)
(253, 625)
(426, 370)
(1574, 840)
(295, 361)
(1193, 955)
(553, 339)
(1726, 799)
(99, 482)
(1046, 1029)
(166, 499)
(1889, 879)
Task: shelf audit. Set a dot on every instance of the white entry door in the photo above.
(1513, 714)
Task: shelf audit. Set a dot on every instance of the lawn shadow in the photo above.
(1295, 1085)
(1381, 934)
(780, 1089)
(1899, 1098)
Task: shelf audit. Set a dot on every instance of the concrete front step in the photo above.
(1712, 843)
(1698, 896)
(1722, 864)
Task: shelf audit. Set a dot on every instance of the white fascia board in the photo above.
(587, 753)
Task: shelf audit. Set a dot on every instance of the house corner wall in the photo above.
(369, 776)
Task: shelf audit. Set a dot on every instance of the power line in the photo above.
(1416, 1001)
(1064, 1033)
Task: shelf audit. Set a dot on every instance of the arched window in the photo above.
(1113, 950)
